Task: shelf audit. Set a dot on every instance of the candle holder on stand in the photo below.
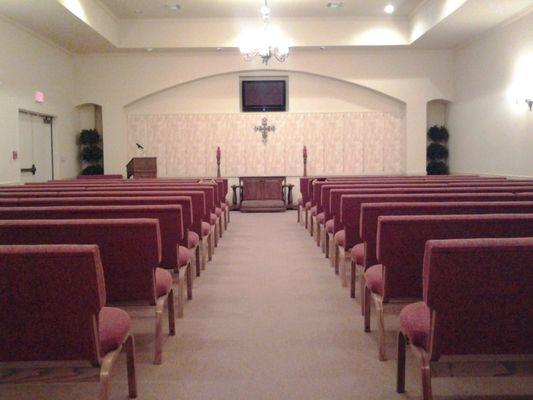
(219, 153)
(305, 160)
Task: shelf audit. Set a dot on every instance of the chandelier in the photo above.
(266, 43)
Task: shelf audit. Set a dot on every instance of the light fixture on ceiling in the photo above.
(266, 43)
(174, 7)
(334, 4)
(389, 9)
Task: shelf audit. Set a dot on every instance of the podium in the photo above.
(142, 167)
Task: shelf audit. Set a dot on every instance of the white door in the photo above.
(35, 151)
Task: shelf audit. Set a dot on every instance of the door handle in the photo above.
(32, 169)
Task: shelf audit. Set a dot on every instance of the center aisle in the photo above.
(268, 321)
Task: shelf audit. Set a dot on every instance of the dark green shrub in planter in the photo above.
(91, 153)
(437, 151)
(438, 133)
(437, 168)
(93, 170)
(89, 136)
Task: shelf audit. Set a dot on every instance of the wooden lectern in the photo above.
(142, 167)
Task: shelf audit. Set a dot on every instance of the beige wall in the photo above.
(306, 93)
(490, 133)
(411, 76)
(29, 64)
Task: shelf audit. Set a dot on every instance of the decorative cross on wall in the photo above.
(264, 129)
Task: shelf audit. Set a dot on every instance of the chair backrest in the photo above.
(130, 249)
(169, 217)
(479, 291)
(50, 297)
(370, 213)
(184, 201)
(401, 241)
(336, 195)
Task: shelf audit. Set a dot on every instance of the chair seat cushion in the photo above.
(415, 322)
(213, 219)
(321, 218)
(184, 256)
(192, 239)
(358, 253)
(113, 327)
(330, 226)
(206, 228)
(308, 205)
(340, 238)
(218, 211)
(163, 282)
(313, 211)
(224, 206)
(374, 279)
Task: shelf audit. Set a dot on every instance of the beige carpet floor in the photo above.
(269, 320)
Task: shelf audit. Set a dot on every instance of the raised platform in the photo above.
(263, 206)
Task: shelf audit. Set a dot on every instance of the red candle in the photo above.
(218, 152)
(305, 151)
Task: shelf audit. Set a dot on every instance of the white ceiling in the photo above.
(55, 23)
(201, 24)
(127, 9)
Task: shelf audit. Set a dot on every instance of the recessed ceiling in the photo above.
(126, 9)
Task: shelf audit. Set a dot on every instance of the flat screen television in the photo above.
(263, 95)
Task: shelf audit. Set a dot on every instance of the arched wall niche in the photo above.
(90, 117)
(348, 128)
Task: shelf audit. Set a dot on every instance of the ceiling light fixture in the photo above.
(266, 43)
(335, 4)
(389, 8)
(174, 7)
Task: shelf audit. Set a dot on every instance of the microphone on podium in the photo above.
(140, 147)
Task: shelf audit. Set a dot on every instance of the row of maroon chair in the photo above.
(142, 230)
(385, 225)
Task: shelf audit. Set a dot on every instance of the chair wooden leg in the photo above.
(220, 226)
(306, 219)
(215, 236)
(225, 215)
(344, 270)
(336, 259)
(326, 244)
(107, 364)
(299, 216)
(352, 279)
(181, 294)
(381, 329)
(400, 370)
(362, 290)
(228, 211)
(210, 246)
(367, 309)
(312, 226)
(426, 379)
(332, 246)
(159, 307)
(317, 234)
(171, 315)
(189, 280)
(197, 259)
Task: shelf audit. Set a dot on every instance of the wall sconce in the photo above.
(529, 102)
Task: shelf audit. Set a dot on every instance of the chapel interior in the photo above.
(266, 199)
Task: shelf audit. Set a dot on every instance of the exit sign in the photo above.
(39, 97)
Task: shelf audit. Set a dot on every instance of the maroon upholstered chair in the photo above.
(52, 308)
(477, 299)
(174, 256)
(130, 250)
(400, 252)
(363, 249)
